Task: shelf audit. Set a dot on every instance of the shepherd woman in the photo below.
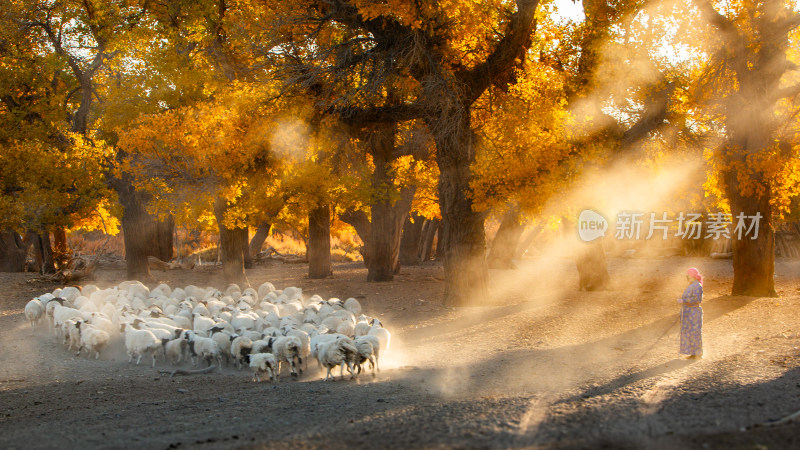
(692, 315)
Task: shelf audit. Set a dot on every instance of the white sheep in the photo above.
(99, 320)
(316, 343)
(336, 352)
(63, 313)
(175, 349)
(381, 333)
(139, 343)
(262, 363)
(92, 339)
(305, 341)
(223, 339)
(34, 311)
(261, 346)
(353, 306)
(362, 327)
(69, 293)
(243, 321)
(287, 349)
(265, 289)
(72, 333)
(202, 324)
(368, 350)
(49, 309)
(205, 348)
(240, 346)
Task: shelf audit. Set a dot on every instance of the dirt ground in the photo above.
(544, 366)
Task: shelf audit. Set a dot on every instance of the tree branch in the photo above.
(509, 53)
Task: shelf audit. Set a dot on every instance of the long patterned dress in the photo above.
(692, 320)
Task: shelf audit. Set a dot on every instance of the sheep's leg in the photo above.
(130, 357)
(139, 359)
(154, 359)
(292, 367)
(372, 366)
(328, 375)
(97, 355)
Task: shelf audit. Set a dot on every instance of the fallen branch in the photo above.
(172, 373)
(781, 421)
(275, 255)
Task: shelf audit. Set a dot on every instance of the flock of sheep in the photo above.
(264, 329)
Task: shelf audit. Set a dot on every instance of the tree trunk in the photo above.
(438, 255)
(358, 219)
(429, 231)
(163, 244)
(592, 269)
(231, 247)
(504, 246)
(260, 236)
(463, 239)
(135, 233)
(12, 252)
(411, 241)
(43, 251)
(527, 242)
(244, 239)
(319, 242)
(753, 259)
(388, 209)
(61, 253)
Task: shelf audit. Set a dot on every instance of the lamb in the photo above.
(262, 363)
(139, 343)
(336, 352)
(287, 349)
(92, 339)
(240, 346)
(203, 347)
(72, 333)
(34, 311)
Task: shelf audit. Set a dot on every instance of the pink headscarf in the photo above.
(694, 273)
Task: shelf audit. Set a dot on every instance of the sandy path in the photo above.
(548, 367)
